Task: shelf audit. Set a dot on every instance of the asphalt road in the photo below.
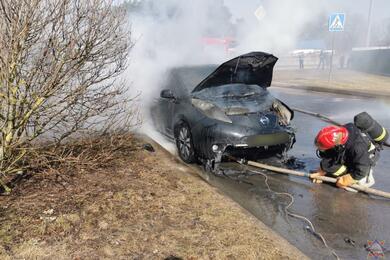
(346, 220)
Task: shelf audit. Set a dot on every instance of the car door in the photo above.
(167, 102)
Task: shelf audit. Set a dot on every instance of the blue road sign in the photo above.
(336, 22)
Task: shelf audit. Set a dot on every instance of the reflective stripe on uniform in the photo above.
(372, 147)
(380, 138)
(341, 170)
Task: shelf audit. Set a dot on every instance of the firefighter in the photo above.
(347, 154)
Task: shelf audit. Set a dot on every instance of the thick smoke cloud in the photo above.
(279, 28)
(171, 33)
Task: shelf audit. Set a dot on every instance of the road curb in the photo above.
(295, 253)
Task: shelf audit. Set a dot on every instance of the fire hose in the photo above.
(326, 119)
(311, 176)
(295, 215)
(353, 187)
(322, 178)
(320, 116)
(286, 209)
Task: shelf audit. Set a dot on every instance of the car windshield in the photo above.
(237, 98)
(231, 91)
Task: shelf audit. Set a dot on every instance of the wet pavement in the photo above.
(346, 220)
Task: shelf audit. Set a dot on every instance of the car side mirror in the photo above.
(167, 93)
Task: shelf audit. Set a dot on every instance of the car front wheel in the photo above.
(184, 143)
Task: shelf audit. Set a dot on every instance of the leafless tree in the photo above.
(59, 64)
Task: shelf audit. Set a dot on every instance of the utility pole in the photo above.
(369, 25)
(336, 23)
(331, 58)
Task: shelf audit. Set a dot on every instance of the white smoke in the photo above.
(171, 33)
(279, 26)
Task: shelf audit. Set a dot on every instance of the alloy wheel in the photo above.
(184, 143)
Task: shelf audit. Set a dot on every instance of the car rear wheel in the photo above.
(184, 143)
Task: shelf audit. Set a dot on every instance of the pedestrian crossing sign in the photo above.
(336, 22)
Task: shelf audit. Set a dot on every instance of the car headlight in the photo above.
(210, 110)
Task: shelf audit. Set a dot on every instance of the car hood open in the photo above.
(253, 68)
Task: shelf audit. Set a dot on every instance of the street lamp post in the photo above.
(369, 25)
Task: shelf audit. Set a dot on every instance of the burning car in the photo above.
(212, 112)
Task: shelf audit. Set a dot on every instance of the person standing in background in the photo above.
(322, 60)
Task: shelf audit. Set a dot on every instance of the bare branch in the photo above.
(58, 64)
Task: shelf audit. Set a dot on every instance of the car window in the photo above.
(184, 79)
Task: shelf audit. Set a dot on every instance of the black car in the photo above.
(212, 112)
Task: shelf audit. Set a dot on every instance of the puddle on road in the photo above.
(339, 216)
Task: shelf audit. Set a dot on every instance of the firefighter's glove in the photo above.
(345, 181)
(318, 173)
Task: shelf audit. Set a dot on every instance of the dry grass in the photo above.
(139, 205)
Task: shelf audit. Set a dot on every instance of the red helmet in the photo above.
(331, 136)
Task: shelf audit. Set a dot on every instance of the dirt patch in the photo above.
(148, 206)
(342, 81)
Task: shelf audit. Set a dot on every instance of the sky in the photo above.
(380, 8)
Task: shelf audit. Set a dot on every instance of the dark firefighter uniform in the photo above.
(352, 161)
(349, 152)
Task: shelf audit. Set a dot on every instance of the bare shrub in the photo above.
(59, 61)
(89, 153)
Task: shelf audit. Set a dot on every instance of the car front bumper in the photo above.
(212, 140)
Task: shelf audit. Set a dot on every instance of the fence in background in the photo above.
(371, 60)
